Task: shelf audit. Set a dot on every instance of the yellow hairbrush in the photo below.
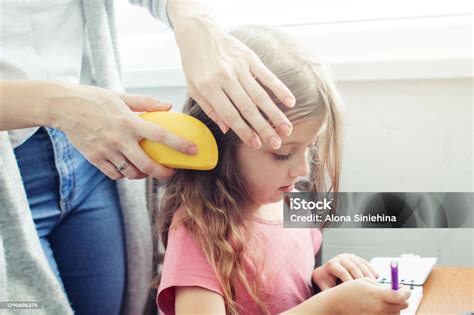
(188, 128)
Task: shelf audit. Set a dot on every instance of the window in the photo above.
(396, 39)
(231, 13)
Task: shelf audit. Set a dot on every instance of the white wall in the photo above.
(408, 135)
(411, 136)
(408, 124)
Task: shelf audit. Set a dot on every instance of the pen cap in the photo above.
(186, 127)
(394, 274)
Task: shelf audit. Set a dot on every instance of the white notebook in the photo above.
(412, 272)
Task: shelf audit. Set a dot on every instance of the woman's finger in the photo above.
(144, 103)
(207, 108)
(148, 130)
(109, 169)
(145, 164)
(226, 110)
(252, 115)
(266, 105)
(271, 81)
(125, 167)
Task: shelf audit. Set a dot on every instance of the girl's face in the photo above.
(270, 173)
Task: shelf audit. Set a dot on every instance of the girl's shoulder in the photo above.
(178, 232)
(180, 240)
(178, 218)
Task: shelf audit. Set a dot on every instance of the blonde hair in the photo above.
(216, 203)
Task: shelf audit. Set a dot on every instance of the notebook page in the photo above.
(412, 269)
(414, 301)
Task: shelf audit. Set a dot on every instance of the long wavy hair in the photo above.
(216, 204)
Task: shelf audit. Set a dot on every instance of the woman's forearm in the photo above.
(28, 103)
(102, 124)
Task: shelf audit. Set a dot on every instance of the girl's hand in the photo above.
(104, 126)
(361, 296)
(222, 76)
(366, 296)
(345, 267)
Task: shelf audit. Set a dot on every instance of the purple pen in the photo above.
(394, 273)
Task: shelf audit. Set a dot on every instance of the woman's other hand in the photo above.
(224, 77)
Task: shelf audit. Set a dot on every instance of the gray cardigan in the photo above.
(24, 271)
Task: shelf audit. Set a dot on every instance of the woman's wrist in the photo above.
(188, 16)
(51, 93)
(61, 100)
(179, 10)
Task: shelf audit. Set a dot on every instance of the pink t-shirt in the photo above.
(288, 266)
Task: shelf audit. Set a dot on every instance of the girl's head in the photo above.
(218, 203)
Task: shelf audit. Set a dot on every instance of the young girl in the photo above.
(226, 248)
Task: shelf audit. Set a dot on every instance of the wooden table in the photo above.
(448, 290)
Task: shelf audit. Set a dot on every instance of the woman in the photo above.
(88, 137)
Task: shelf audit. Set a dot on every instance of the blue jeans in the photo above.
(78, 218)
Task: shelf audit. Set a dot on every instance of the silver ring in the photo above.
(122, 166)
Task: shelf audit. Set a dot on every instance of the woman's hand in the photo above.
(367, 296)
(104, 126)
(345, 267)
(222, 76)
